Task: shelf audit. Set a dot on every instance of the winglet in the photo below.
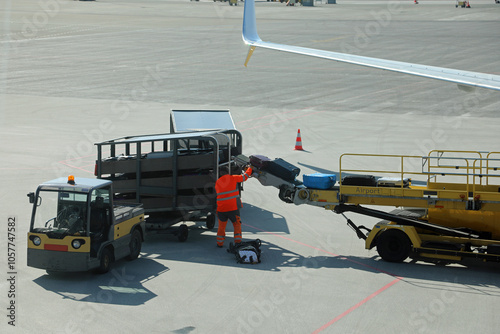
(250, 35)
(250, 52)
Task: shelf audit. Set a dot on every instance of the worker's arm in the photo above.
(243, 177)
(248, 173)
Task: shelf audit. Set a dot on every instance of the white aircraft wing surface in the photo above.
(464, 79)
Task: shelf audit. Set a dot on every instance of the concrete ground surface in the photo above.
(77, 72)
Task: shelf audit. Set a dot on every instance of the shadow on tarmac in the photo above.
(477, 278)
(122, 285)
(269, 221)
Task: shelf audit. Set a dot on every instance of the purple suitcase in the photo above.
(259, 161)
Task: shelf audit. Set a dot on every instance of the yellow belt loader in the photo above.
(449, 202)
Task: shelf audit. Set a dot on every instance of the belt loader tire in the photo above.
(393, 245)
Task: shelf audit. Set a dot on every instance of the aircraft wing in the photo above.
(464, 79)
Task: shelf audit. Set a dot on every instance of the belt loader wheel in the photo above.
(393, 245)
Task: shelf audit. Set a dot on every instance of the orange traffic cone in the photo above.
(298, 142)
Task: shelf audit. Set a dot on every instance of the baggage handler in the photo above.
(229, 203)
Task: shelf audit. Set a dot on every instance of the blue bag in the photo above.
(319, 180)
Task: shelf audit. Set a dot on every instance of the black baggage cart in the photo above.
(173, 175)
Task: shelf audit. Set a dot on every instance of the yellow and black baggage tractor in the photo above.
(76, 227)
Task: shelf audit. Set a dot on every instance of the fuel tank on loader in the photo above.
(480, 221)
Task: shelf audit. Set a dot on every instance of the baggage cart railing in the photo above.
(172, 157)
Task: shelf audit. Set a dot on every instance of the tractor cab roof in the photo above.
(74, 184)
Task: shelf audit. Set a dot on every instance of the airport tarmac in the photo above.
(78, 72)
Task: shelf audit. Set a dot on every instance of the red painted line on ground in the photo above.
(26, 168)
(324, 251)
(78, 158)
(340, 316)
(76, 167)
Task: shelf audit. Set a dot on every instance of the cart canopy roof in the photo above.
(200, 120)
(168, 136)
(161, 137)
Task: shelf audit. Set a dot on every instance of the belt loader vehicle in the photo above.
(449, 202)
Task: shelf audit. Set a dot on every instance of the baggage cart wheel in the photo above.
(106, 261)
(210, 221)
(135, 245)
(183, 233)
(393, 246)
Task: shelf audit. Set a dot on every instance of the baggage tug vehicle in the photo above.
(75, 226)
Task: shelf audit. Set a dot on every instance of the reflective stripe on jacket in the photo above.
(228, 195)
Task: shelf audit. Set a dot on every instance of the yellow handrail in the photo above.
(470, 161)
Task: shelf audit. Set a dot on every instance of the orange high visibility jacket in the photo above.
(228, 195)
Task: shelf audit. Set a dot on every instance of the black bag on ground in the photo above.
(282, 169)
(246, 251)
(359, 180)
(259, 161)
